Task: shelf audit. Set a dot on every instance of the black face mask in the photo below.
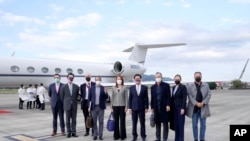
(177, 82)
(87, 78)
(71, 78)
(198, 79)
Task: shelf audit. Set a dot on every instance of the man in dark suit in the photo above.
(56, 104)
(138, 106)
(160, 105)
(85, 92)
(97, 105)
(68, 95)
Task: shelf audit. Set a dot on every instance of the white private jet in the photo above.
(15, 71)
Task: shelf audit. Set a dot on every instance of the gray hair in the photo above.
(158, 73)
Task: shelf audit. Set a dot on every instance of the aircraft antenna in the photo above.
(13, 54)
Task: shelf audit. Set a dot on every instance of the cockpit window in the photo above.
(30, 69)
(80, 71)
(69, 70)
(14, 68)
(45, 70)
(58, 70)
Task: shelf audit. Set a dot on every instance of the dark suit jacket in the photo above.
(180, 96)
(163, 116)
(54, 96)
(136, 102)
(102, 98)
(83, 92)
(67, 98)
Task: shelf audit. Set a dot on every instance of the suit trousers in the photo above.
(120, 122)
(141, 115)
(71, 120)
(85, 112)
(38, 103)
(29, 103)
(58, 110)
(165, 131)
(98, 114)
(20, 103)
(34, 104)
(179, 121)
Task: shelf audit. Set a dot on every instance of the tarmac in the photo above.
(228, 107)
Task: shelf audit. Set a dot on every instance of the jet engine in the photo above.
(128, 68)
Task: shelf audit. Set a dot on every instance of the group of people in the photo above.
(35, 96)
(64, 99)
(166, 106)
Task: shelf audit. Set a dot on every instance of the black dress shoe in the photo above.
(74, 135)
(100, 138)
(53, 133)
(94, 138)
(86, 134)
(116, 138)
(69, 135)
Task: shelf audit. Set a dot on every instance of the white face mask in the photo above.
(119, 82)
(57, 80)
(158, 79)
(98, 82)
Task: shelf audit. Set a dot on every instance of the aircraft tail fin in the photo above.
(139, 51)
(243, 69)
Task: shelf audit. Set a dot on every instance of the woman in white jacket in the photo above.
(41, 91)
(22, 96)
(30, 92)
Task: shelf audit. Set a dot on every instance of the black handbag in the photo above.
(89, 121)
(152, 120)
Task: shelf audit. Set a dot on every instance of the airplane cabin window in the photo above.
(30, 69)
(58, 70)
(45, 70)
(69, 70)
(14, 68)
(80, 71)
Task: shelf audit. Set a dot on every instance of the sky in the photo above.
(217, 33)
